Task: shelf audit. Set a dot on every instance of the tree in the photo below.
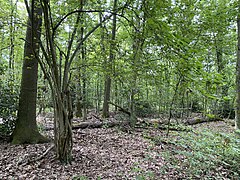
(108, 80)
(26, 130)
(238, 72)
(58, 73)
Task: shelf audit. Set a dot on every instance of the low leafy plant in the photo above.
(205, 154)
(141, 174)
(8, 106)
(143, 108)
(80, 177)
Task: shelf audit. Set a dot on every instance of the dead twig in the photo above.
(120, 108)
(24, 161)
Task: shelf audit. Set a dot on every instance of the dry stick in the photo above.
(97, 117)
(36, 159)
(121, 108)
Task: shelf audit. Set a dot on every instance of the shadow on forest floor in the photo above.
(209, 151)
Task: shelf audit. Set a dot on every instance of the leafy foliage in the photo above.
(8, 106)
(143, 108)
(204, 153)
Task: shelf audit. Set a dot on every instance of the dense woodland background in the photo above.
(136, 60)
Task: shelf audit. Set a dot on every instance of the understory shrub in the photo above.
(143, 108)
(8, 106)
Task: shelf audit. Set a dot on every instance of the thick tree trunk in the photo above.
(26, 130)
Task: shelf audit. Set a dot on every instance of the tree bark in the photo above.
(237, 122)
(63, 127)
(107, 93)
(108, 81)
(26, 130)
(12, 31)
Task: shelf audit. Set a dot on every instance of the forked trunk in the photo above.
(63, 128)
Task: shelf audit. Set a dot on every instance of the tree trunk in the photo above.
(84, 74)
(79, 107)
(108, 81)
(84, 92)
(63, 112)
(26, 130)
(237, 122)
(137, 46)
(107, 91)
(12, 31)
(63, 127)
(98, 95)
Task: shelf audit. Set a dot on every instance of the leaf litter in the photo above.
(101, 153)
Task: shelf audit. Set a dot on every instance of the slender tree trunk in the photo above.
(98, 94)
(116, 95)
(79, 98)
(138, 42)
(107, 91)
(238, 74)
(79, 108)
(26, 130)
(84, 89)
(108, 80)
(12, 30)
(103, 50)
(223, 107)
(83, 72)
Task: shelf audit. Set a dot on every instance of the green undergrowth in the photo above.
(202, 154)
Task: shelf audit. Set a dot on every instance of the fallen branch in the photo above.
(24, 161)
(96, 117)
(174, 128)
(194, 121)
(120, 108)
(96, 124)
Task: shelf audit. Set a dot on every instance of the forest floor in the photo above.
(143, 153)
